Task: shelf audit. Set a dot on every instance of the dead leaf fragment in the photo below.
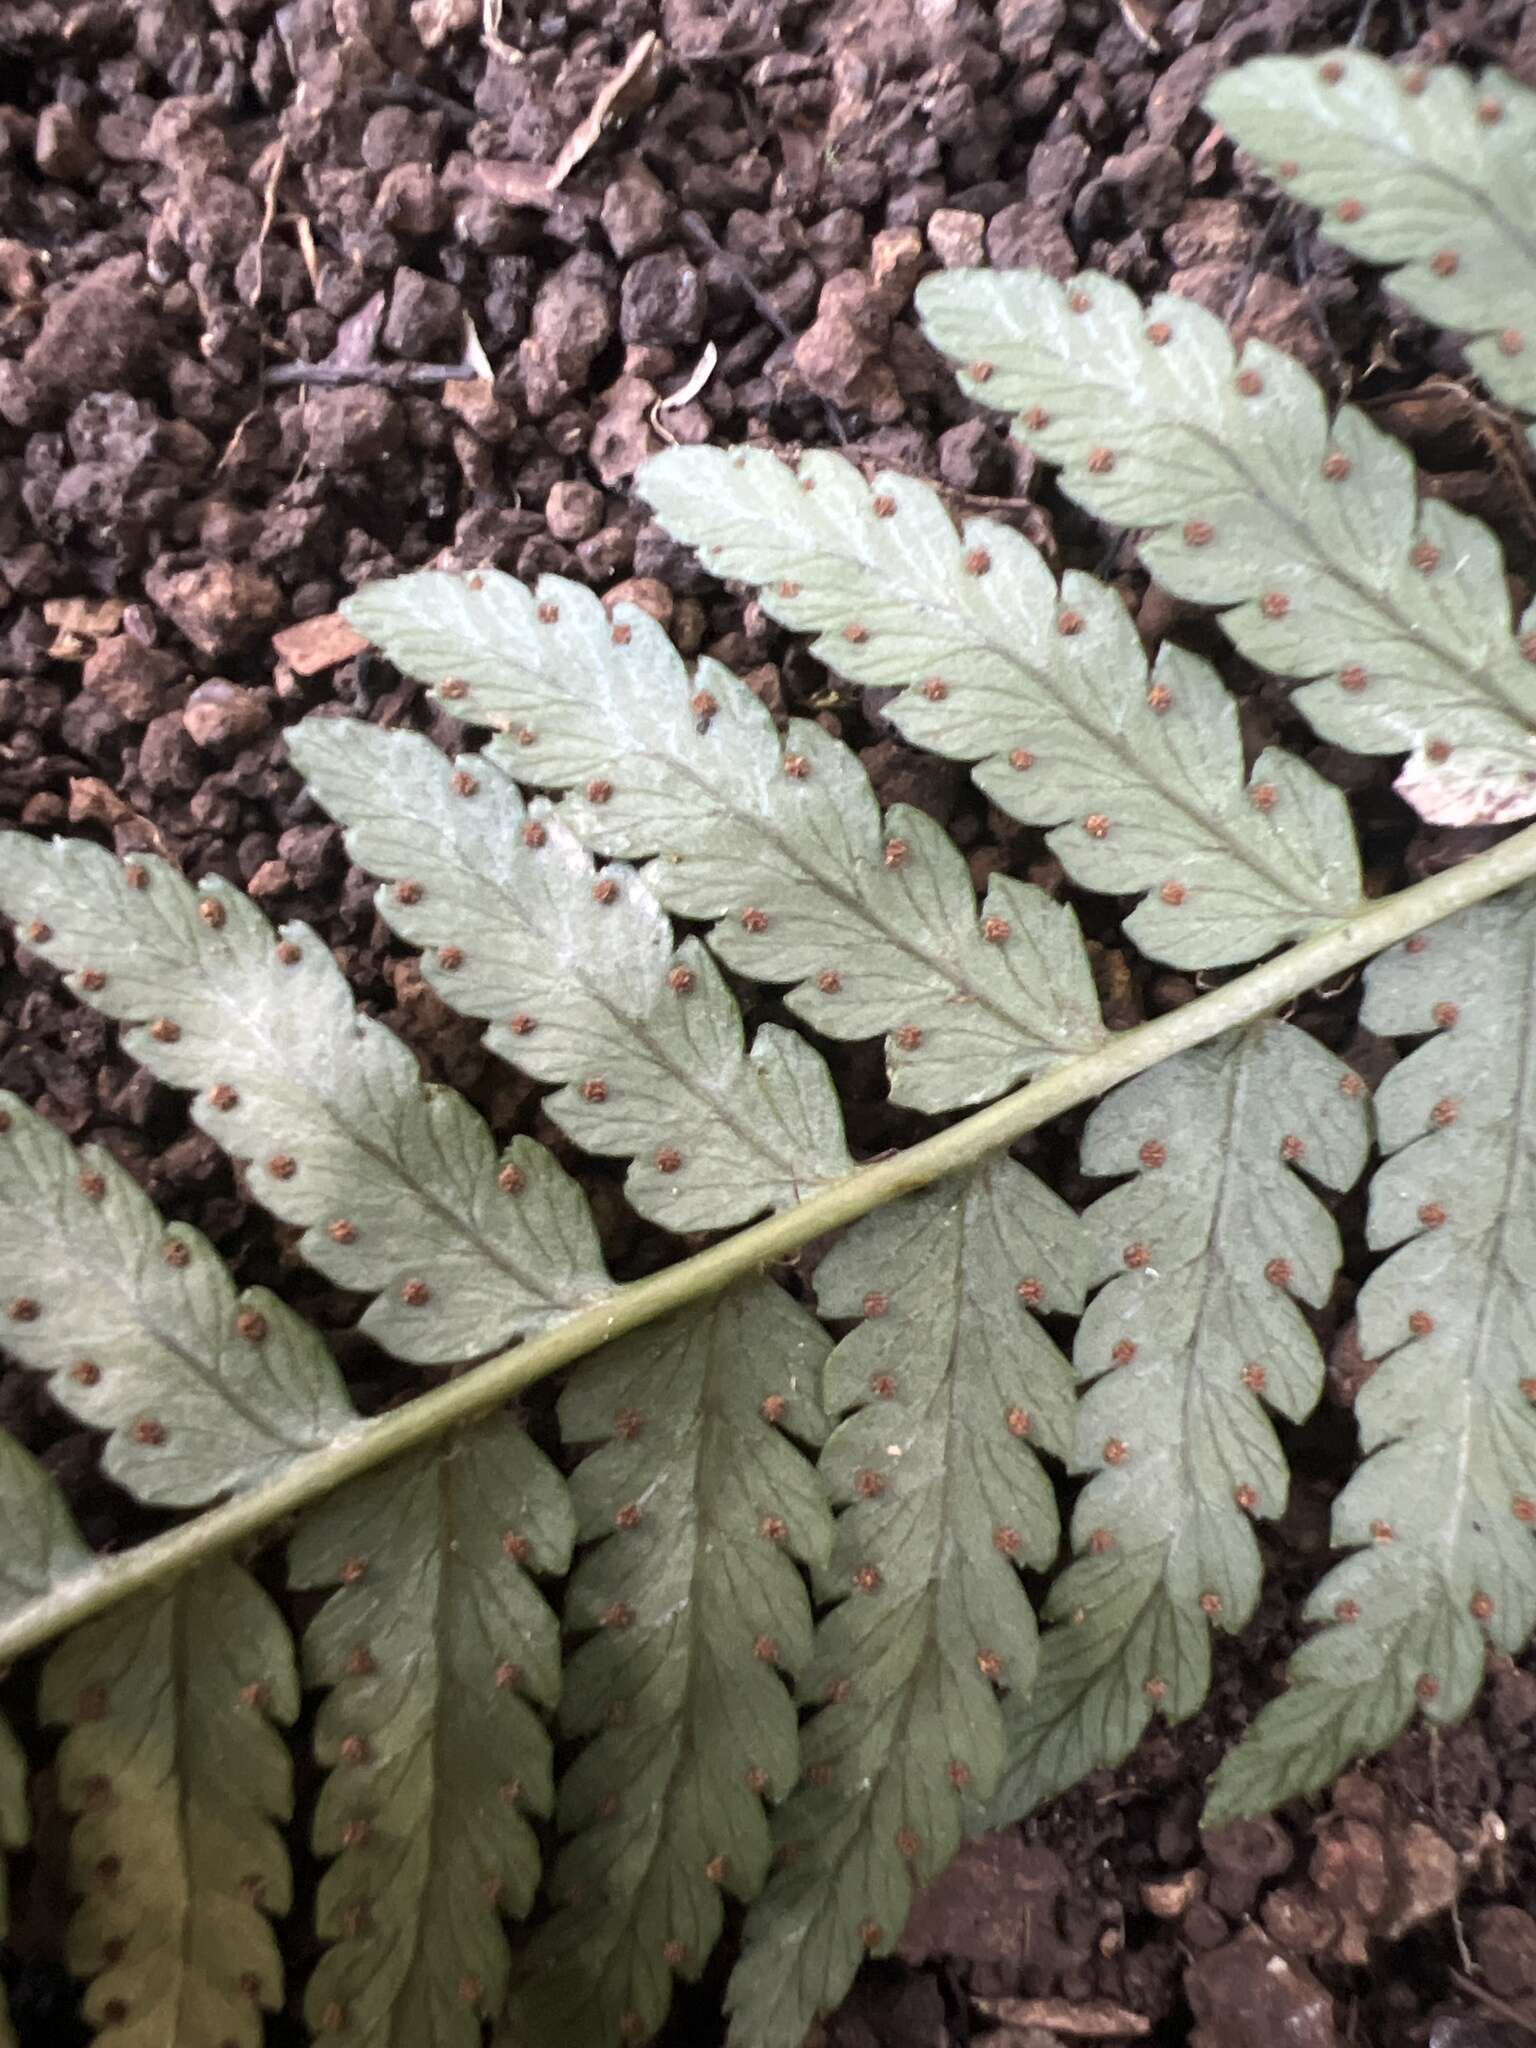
(631, 87)
(316, 644)
(686, 392)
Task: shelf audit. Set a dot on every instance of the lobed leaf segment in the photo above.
(1424, 170)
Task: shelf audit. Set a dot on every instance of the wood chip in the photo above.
(1094, 2020)
(316, 644)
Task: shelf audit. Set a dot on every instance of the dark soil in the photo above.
(187, 235)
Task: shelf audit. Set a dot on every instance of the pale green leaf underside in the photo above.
(944, 1388)
(1438, 166)
(178, 1776)
(1444, 1501)
(1310, 532)
(39, 1543)
(580, 980)
(696, 1607)
(40, 1548)
(136, 1321)
(433, 1645)
(1049, 692)
(875, 924)
(1193, 1336)
(395, 1183)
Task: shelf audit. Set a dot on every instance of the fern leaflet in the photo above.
(580, 975)
(875, 925)
(177, 1775)
(1308, 530)
(1197, 1331)
(1443, 1505)
(1050, 690)
(143, 1332)
(432, 1646)
(1421, 169)
(344, 1137)
(694, 1607)
(945, 1388)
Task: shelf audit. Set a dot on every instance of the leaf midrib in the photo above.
(635, 1026)
(719, 801)
(393, 1166)
(1211, 825)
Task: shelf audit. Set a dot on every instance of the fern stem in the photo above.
(312, 1476)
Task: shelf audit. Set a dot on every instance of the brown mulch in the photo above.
(241, 329)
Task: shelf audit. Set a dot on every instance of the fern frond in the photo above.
(1048, 691)
(396, 1184)
(581, 981)
(1211, 1245)
(945, 1388)
(433, 1646)
(1420, 169)
(177, 1775)
(695, 1606)
(141, 1328)
(782, 842)
(1308, 530)
(1444, 1503)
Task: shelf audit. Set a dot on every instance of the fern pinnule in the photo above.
(1439, 1516)
(1306, 529)
(177, 1778)
(946, 1389)
(692, 1608)
(578, 973)
(1419, 167)
(40, 1547)
(874, 922)
(1210, 1245)
(142, 1331)
(1047, 690)
(396, 1184)
(437, 1648)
